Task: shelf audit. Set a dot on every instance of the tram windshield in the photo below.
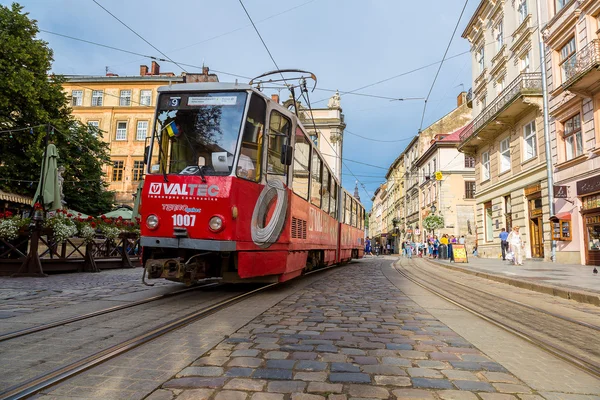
(198, 132)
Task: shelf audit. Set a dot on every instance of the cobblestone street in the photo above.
(353, 336)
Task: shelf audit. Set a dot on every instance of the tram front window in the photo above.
(199, 131)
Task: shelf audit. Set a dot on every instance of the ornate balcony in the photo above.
(582, 76)
(505, 108)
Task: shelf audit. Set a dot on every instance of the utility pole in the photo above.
(549, 173)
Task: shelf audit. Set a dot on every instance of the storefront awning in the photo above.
(564, 216)
(15, 198)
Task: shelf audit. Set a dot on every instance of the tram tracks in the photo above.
(65, 321)
(46, 380)
(574, 341)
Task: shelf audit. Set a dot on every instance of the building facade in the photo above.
(506, 137)
(451, 194)
(416, 174)
(395, 214)
(572, 61)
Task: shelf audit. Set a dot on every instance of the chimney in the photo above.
(204, 70)
(143, 70)
(155, 68)
(275, 98)
(461, 99)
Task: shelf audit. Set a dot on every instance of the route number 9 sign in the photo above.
(460, 253)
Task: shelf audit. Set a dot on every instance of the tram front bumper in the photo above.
(187, 243)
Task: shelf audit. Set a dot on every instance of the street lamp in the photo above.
(433, 209)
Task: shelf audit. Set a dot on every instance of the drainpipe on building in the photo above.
(549, 173)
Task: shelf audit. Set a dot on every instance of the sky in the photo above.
(347, 44)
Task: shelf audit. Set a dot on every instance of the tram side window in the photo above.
(347, 209)
(315, 189)
(362, 218)
(354, 219)
(333, 202)
(301, 165)
(279, 133)
(326, 185)
(248, 166)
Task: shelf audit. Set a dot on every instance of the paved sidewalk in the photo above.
(573, 281)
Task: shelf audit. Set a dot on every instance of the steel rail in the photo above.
(39, 328)
(540, 310)
(587, 366)
(34, 385)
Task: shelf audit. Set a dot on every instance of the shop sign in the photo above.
(587, 186)
(560, 192)
(533, 189)
(460, 253)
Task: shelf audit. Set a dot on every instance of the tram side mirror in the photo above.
(146, 152)
(286, 154)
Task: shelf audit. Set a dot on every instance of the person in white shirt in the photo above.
(246, 167)
(516, 245)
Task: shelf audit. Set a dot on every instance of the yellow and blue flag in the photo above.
(172, 129)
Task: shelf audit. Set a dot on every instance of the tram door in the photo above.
(280, 128)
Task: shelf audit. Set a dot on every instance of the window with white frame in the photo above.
(145, 97)
(434, 166)
(485, 166)
(142, 130)
(97, 97)
(499, 35)
(529, 136)
(77, 98)
(125, 98)
(567, 59)
(523, 11)
(505, 155)
(483, 101)
(481, 58)
(560, 4)
(94, 126)
(524, 63)
(121, 131)
(573, 138)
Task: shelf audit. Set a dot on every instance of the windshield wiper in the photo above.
(202, 174)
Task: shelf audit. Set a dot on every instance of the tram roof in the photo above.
(209, 86)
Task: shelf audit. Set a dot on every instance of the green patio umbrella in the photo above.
(124, 213)
(51, 188)
(138, 200)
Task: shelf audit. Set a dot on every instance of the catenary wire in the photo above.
(442, 62)
(137, 34)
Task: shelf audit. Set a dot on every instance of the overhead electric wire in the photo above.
(137, 34)
(378, 140)
(442, 62)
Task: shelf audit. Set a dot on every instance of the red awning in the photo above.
(561, 216)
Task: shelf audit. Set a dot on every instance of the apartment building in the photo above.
(376, 216)
(394, 214)
(122, 107)
(506, 137)
(572, 63)
(451, 194)
(416, 174)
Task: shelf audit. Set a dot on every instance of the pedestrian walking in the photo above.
(461, 240)
(409, 249)
(389, 248)
(516, 245)
(368, 247)
(503, 242)
(435, 246)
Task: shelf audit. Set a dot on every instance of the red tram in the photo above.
(236, 190)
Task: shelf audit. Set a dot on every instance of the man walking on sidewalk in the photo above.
(504, 242)
(516, 245)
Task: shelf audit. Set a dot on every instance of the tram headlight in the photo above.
(152, 221)
(215, 223)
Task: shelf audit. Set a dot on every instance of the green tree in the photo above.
(29, 97)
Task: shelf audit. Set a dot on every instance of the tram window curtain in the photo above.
(325, 200)
(301, 167)
(249, 163)
(279, 133)
(354, 216)
(347, 209)
(315, 190)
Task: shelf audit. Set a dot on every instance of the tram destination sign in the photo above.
(588, 186)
